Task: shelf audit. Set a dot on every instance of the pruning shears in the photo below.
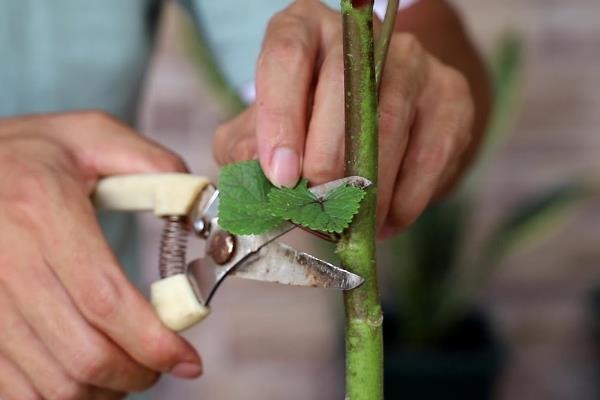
(189, 205)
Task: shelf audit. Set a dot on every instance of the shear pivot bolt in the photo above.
(222, 247)
(201, 227)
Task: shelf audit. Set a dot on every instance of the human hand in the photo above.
(296, 125)
(72, 325)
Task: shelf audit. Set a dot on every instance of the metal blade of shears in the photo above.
(356, 181)
(280, 263)
(210, 274)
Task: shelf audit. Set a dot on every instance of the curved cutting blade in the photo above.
(280, 263)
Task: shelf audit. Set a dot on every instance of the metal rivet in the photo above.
(222, 247)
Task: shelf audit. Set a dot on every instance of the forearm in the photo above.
(439, 28)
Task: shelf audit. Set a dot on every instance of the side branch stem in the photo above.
(383, 43)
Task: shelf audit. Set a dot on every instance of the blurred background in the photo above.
(490, 294)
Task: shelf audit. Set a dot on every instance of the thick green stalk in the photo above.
(364, 343)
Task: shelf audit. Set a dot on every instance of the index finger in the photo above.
(89, 271)
(283, 80)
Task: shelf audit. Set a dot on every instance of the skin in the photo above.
(73, 327)
(67, 329)
(433, 105)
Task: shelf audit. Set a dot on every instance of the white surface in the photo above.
(165, 194)
(176, 303)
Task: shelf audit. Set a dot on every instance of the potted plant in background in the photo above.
(438, 343)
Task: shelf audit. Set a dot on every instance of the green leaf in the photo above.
(244, 207)
(333, 213)
(250, 204)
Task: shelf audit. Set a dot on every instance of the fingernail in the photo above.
(187, 370)
(285, 167)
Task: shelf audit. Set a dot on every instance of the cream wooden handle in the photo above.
(164, 194)
(176, 302)
(170, 194)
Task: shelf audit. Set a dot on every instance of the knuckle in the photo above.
(398, 101)
(428, 160)
(288, 17)
(167, 161)
(387, 121)
(91, 366)
(10, 282)
(68, 389)
(219, 146)
(158, 351)
(399, 97)
(95, 117)
(243, 149)
(102, 303)
(29, 396)
(395, 126)
(161, 349)
(30, 186)
(459, 107)
(13, 326)
(290, 45)
(306, 5)
(288, 51)
(453, 84)
(393, 109)
(407, 44)
(222, 132)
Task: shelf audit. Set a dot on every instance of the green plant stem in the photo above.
(383, 43)
(364, 343)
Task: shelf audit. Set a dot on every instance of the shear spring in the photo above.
(173, 246)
